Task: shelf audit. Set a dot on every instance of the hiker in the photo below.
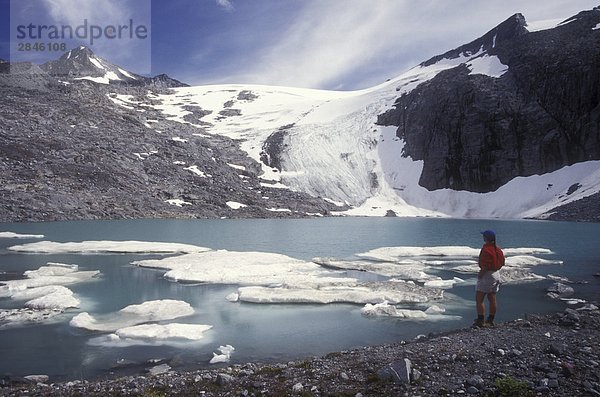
(491, 259)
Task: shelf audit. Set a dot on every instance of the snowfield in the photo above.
(334, 150)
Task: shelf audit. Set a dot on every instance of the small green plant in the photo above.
(510, 387)
(304, 365)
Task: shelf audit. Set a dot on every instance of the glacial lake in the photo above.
(267, 332)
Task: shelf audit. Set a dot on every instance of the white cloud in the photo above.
(226, 4)
(350, 43)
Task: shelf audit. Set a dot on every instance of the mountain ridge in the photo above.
(157, 149)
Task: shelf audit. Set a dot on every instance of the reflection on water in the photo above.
(266, 332)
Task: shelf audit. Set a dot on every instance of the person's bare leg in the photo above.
(480, 306)
(493, 306)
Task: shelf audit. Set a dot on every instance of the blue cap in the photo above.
(489, 235)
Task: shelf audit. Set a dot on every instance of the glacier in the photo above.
(334, 149)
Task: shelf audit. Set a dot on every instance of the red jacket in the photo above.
(491, 257)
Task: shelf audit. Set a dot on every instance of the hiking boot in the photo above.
(489, 323)
(478, 323)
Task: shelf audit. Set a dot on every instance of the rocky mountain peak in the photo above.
(81, 63)
(506, 31)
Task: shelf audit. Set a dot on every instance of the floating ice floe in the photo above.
(17, 235)
(394, 254)
(129, 316)
(443, 284)
(225, 355)
(111, 247)
(242, 268)
(153, 334)
(408, 269)
(360, 293)
(528, 260)
(385, 309)
(18, 317)
(44, 288)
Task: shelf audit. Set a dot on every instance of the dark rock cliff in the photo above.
(476, 132)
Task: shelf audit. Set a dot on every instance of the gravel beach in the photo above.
(549, 355)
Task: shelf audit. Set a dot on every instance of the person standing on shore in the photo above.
(491, 259)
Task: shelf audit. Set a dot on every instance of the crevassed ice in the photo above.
(106, 246)
(149, 311)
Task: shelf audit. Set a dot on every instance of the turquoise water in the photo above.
(268, 332)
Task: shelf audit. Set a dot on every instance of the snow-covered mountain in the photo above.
(500, 147)
(332, 144)
(82, 64)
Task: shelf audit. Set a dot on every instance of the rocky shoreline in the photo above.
(546, 355)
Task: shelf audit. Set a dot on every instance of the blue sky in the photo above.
(328, 44)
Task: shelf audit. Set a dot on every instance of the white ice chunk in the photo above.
(443, 283)
(435, 309)
(528, 260)
(112, 247)
(225, 355)
(17, 235)
(16, 317)
(233, 297)
(408, 269)
(385, 309)
(243, 268)
(359, 294)
(393, 254)
(158, 310)
(47, 297)
(60, 299)
(162, 332)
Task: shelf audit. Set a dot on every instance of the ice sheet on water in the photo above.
(153, 334)
(129, 316)
(48, 297)
(394, 254)
(528, 260)
(19, 317)
(243, 268)
(443, 284)
(17, 235)
(44, 288)
(361, 293)
(508, 274)
(408, 270)
(387, 310)
(443, 253)
(384, 309)
(106, 246)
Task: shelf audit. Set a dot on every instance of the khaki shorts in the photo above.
(488, 283)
